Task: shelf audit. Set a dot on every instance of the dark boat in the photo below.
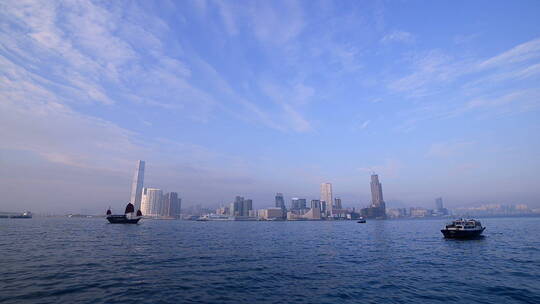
(25, 215)
(463, 229)
(126, 218)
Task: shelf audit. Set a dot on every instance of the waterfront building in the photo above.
(377, 208)
(326, 196)
(439, 208)
(247, 207)
(377, 200)
(151, 202)
(171, 205)
(237, 206)
(337, 203)
(323, 207)
(223, 210)
(396, 212)
(298, 204)
(438, 203)
(315, 204)
(314, 212)
(241, 207)
(271, 213)
(137, 185)
(280, 203)
(419, 212)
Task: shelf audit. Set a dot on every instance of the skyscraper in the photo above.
(438, 203)
(137, 185)
(171, 205)
(237, 207)
(280, 202)
(326, 196)
(377, 200)
(440, 210)
(152, 202)
(337, 203)
(247, 205)
(378, 207)
(295, 204)
(298, 203)
(315, 204)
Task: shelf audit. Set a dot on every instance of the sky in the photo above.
(225, 98)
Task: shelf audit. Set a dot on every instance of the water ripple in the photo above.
(89, 261)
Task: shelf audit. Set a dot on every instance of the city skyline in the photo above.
(256, 98)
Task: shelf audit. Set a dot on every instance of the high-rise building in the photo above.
(171, 205)
(377, 200)
(298, 204)
(152, 202)
(280, 201)
(326, 196)
(337, 203)
(378, 207)
(295, 204)
(241, 206)
(247, 206)
(438, 203)
(137, 185)
(439, 208)
(315, 204)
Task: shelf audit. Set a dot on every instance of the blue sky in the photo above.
(441, 98)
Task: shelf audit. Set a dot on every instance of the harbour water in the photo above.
(61, 260)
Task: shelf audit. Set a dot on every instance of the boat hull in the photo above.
(122, 219)
(462, 234)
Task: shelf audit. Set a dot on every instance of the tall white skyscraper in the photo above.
(326, 196)
(137, 185)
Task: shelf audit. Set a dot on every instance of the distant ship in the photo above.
(24, 215)
(214, 217)
(463, 229)
(126, 218)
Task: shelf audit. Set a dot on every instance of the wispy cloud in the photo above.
(520, 53)
(398, 36)
(514, 102)
(289, 99)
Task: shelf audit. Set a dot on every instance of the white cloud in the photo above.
(228, 16)
(276, 26)
(514, 102)
(520, 53)
(398, 36)
(289, 99)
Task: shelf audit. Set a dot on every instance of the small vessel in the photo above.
(126, 218)
(463, 229)
(24, 215)
(361, 220)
